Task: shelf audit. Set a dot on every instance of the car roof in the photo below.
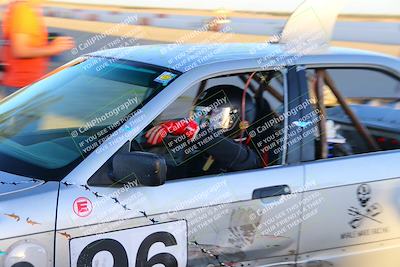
(183, 57)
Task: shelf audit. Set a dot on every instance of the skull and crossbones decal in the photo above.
(366, 211)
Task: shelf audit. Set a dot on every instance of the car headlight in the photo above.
(26, 253)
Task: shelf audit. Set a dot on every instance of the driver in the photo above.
(215, 132)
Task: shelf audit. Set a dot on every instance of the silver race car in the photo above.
(205, 155)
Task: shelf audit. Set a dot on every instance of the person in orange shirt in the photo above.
(27, 50)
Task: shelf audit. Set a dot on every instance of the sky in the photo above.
(373, 7)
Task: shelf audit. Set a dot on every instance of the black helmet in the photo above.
(221, 108)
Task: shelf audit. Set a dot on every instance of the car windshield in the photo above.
(49, 127)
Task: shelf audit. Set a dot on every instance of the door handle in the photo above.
(271, 191)
(318, 263)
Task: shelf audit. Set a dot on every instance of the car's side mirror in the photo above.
(146, 168)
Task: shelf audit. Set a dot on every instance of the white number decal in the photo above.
(147, 246)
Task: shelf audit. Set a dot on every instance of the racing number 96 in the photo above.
(131, 247)
(120, 255)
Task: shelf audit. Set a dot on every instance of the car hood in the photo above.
(11, 183)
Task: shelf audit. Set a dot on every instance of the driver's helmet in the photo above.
(220, 108)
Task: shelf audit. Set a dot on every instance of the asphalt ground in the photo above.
(82, 37)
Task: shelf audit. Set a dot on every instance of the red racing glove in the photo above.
(157, 134)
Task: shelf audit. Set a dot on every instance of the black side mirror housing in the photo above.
(146, 168)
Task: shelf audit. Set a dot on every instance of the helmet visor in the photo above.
(217, 118)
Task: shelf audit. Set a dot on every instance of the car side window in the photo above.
(361, 110)
(223, 124)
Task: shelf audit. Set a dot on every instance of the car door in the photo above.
(249, 217)
(356, 175)
(203, 221)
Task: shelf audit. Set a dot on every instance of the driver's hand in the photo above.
(157, 133)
